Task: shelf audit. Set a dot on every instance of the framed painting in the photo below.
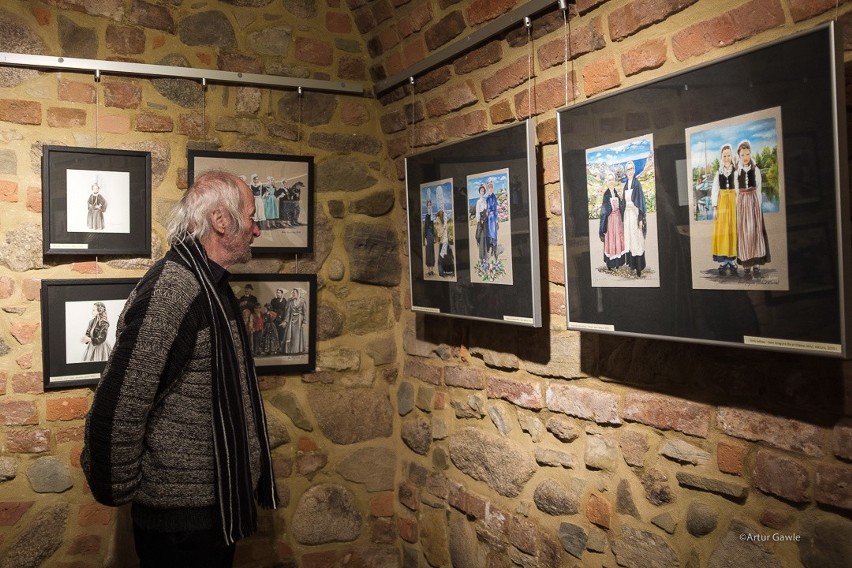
(473, 228)
(283, 190)
(710, 205)
(78, 319)
(96, 201)
(280, 315)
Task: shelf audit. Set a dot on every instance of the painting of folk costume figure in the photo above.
(439, 235)
(622, 206)
(737, 223)
(90, 329)
(489, 227)
(98, 201)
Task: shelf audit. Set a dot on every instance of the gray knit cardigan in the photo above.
(148, 434)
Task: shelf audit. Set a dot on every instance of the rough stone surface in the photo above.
(639, 549)
(573, 539)
(634, 445)
(49, 475)
(373, 254)
(701, 519)
(314, 108)
(563, 428)
(657, 489)
(374, 467)
(552, 497)
(184, 92)
(77, 41)
(742, 546)
(271, 41)
(555, 458)
(353, 415)
(470, 406)
(434, 537)
(826, 541)
(326, 513)
(21, 250)
(40, 539)
(500, 418)
(684, 452)
(405, 398)
(504, 465)
(211, 28)
(601, 452)
(665, 521)
(343, 174)
(463, 544)
(17, 37)
(374, 205)
(624, 503)
(720, 487)
(417, 434)
(286, 402)
(8, 468)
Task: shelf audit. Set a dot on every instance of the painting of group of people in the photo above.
(736, 177)
(621, 184)
(277, 202)
(278, 325)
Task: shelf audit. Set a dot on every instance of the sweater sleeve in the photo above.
(149, 349)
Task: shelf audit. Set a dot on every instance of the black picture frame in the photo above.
(67, 316)
(491, 278)
(294, 330)
(290, 234)
(77, 219)
(794, 85)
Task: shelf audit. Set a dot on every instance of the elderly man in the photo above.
(177, 425)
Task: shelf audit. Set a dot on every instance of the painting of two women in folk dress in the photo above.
(489, 227)
(438, 230)
(621, 194)
(737, 221)
(98, 201)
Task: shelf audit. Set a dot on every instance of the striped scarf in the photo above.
(237, 516)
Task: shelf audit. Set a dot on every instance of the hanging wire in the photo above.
(203, 113)
(564, 6)
(412, 135)
(97, 105)
(528, 24)
(299, 123)
(836, 9)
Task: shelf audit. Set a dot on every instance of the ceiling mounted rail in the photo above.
(498, 25)
(205, 76)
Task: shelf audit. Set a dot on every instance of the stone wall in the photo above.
(552, 448)
(419, 441)
(332, 430)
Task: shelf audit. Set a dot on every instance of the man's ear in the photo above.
(219, 221)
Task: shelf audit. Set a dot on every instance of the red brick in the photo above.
(352, 69)
(464, 376)
(448, 28)
(484, 10)
(556, 272)
(382, 505)
(842, 444)
(519, 393)
(338, 22)
(598, 511)
(397, 147)
(586, 39)
(94, 514)
(501, 112)
(28, 441)
(834, 485)
(111, 123)
(122, 94)
(86, 544)
(668, 413)
(414, 51)
(427, 373)
(429, 135)
(488, 54)
(150, 122)
(3, 380)
(34, 200)
(42, 15)
(779, 432)
(638, 14)
(545, 132)
(76, 91)
(388, 38)
(514, 74)
(549, 94)
(314, 51)
(782, 476)
(806, 9)
(31, 288)
(66, 117)
(415, 19)
(354, 114)
(19, 413)
(382, 11)
(24, 331)
(125, 40)
(28, 383)
(734, 25)
(25, 361)
(394, 63)
(522, 534)
(550, 167)
(557, 303)
(324, 559)
(89, 267)
(8, 191)
(730, 457)
(20, 112)
(600, 75)
(67, 408)
(467, 124)
(12, 511)
(408, 529)
(775, 519)
(648, 55)
(7, 287)
(583, 402)
(69, 434)
(433, 79)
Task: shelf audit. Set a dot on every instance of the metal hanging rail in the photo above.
(494, 27)
(98, 67)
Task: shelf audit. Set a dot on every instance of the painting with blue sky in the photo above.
(762, 131)
(436, 218)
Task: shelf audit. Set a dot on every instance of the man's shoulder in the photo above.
(169, 277)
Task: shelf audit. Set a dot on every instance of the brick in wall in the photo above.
(467, 124)
(834, 485)
(488, 54)
(782, 476)
(583, 402)
(70, 408)
(481, 11)
(645, 56)
(806, 9)
(450, 27)
(18, 413)
(20, 111)
(509, 77)
(779, 432)
(585, 40)
(520, 393)
(638, 14)
(668, 413)
(414, 19)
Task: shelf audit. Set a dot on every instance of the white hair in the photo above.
(212, 191)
